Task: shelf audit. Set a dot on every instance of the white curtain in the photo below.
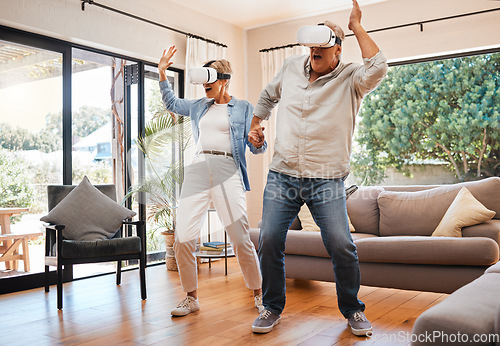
(198, 52)
(271, 62)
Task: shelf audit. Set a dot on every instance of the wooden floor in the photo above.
(97, 312)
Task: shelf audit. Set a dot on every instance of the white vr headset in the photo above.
(317, 36)
(202, 75)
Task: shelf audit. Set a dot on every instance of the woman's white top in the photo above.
(214, 129)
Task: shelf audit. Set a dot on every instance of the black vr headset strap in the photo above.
(223, 76)
(209, 63)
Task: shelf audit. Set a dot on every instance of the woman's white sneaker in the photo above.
(188, 305)
(258, 302)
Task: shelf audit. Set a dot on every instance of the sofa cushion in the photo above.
(362, 208)
(489, 229)
(428, 250)
(468, 312)
(101, 248)
(464, 211)
(419, 213)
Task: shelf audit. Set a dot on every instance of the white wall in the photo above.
(103, 29)
(465, 33)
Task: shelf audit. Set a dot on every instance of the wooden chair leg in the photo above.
(118, 272)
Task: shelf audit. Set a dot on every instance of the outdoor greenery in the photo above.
(85, 121)
(447, 110)
(99, 172)
(15, 186)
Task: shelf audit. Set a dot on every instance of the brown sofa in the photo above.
(393, 227)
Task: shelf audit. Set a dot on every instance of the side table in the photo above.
(226, 253)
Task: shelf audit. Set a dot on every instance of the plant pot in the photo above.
(169, 238)
(170, 261)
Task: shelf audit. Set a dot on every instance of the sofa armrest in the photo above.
(488, 229)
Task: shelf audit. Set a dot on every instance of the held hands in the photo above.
(256, 135)
(165, 58)
(355, 17)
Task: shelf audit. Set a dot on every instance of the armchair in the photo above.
(60, 251)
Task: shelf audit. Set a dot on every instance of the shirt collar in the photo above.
(231, 102)
(307, 69)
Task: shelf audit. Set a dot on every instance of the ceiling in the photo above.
(254, 13)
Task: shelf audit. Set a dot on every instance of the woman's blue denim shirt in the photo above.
(240, 119)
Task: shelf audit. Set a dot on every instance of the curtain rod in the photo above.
(92, 2)
(420, 23)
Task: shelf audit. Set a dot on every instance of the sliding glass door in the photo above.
(67, 112)
(31, 147)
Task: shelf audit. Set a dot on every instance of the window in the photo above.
(67, 112)
(31, 154)
(436, 122)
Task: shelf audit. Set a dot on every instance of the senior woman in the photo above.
(217, 174)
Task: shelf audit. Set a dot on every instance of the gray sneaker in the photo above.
(359, 324)
(265, 322)
(188, 305)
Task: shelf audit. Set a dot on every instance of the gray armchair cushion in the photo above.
(101, 248)
(88, 214)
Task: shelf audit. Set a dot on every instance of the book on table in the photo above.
(206, 250)
(216, 244)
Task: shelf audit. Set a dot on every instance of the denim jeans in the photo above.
(283, 197)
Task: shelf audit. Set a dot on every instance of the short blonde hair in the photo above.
(222, 66)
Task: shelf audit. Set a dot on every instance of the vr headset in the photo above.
(317, 36)
(205, 74)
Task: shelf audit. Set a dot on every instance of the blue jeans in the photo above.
(283, 197)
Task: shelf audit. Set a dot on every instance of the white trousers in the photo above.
(213, 178)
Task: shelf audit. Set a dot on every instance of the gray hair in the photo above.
(336, 29)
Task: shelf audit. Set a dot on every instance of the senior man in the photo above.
(319, 96)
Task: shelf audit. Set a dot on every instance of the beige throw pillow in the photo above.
(307, 220)
(464, 211)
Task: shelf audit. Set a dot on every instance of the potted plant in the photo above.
(163, 145)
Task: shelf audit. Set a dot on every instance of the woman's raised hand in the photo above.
(165, 58)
